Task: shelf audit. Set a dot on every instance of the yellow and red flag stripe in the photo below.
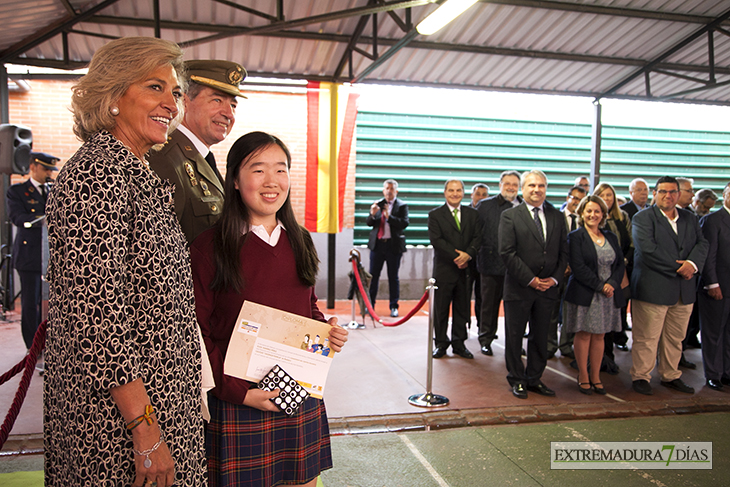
(331, 115)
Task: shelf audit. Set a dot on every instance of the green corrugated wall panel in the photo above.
(421, 152)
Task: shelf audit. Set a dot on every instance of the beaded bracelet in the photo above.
(148, 409)
(146, 453)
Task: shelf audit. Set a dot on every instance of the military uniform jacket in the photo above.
(25, 204)
(198, 190)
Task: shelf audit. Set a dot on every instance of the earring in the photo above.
(114, 111)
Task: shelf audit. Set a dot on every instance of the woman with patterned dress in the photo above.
(122, 403)
(619, 223)
(593, 297)
(258, 252)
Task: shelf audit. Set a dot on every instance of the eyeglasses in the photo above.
(664, 192)
(690, 191)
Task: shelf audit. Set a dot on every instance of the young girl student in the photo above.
(258, 252)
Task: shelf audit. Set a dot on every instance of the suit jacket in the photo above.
(656, 252)
(25, 203)
(630, 208)
(526, 257)
(716, 229)
(584, 281)
(198, 190)
(489, 262)
(446, 238)
(398, 221)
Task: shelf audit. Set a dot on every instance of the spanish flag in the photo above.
(331, 115)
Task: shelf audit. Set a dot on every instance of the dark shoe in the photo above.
(487, 350)
(598, 390)
(541, 389)
(642, 387)
(714, 384)
(551, 355)
(394, 312)
(524, 354)
(623, 348)
(464, 353)
(683, 362)
(724, 381)
(518, 390)
(679, 385)
(438, 352)
(585, 390)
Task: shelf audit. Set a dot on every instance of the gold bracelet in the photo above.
(148, 409)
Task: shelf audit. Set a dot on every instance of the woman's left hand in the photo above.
(338, 335)
(608, 290)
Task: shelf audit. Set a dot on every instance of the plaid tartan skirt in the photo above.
(247, 446)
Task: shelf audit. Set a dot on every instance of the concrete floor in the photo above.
(485, 436)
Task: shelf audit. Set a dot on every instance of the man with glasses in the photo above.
(639, 192)
(669, 250)
(704, 201)
(686, 193)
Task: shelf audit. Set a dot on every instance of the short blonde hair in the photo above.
(113, 69)
(592, 199)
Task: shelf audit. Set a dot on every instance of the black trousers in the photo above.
(454, 295)
(385, 254)
(537, 311)
(30, 304)
(715, 333)
(491, 288)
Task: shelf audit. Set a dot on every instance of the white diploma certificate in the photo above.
(264, 337)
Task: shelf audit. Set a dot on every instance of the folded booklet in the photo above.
(265, 337)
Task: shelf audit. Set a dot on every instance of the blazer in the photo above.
(584, 281)
(489, 262)
(630, 208)
(526, 257)
(716, 229)
(198, 190)
(656, 252)
(398, 221)
(446, 238)
(25, 204)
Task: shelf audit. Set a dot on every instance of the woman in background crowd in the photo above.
(593, 298)
(258, 252)
(123, 360)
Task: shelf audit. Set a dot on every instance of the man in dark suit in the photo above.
(186, 160)
(455, 233)
(714, 296)
(388, 217)
(669, 249)
(479, 192)
(489, 262)
(639, 191)
(26, 203)
(533, 243)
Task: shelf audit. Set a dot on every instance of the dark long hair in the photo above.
(232, 227)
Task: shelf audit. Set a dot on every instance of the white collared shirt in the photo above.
(199, 145)
(386, 228)
(273, 239)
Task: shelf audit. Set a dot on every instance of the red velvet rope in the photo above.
(28, 363)
(369, 306)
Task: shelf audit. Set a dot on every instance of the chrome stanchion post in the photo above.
(353, 324)
(429, 400)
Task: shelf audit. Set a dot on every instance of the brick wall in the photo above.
(45, 109)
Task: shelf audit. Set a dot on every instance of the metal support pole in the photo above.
(596, 146)
(429, 400)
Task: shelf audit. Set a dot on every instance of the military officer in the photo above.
(186, 160)
(26, 203)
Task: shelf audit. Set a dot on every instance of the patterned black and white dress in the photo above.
(121, 308)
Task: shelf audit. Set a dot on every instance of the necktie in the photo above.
(381, 228)
(536, 211)
(44, 192)
(456, 218)
(211, 162)
(572, 222)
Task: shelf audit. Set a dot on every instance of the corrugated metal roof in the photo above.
(599, 48)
